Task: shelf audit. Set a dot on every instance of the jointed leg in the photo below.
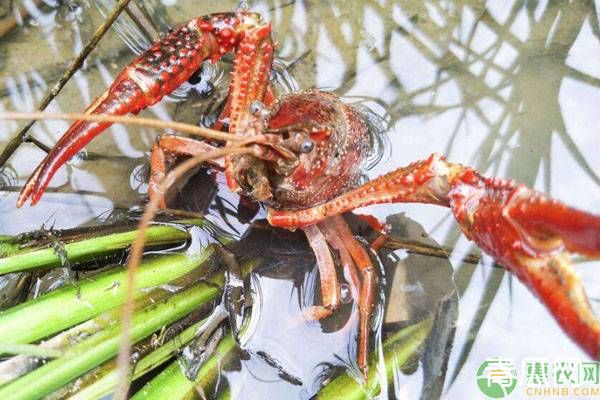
(172, 145)
(330, 288)
(350, 269)
(366, 298)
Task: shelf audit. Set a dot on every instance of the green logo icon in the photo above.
(497, 377)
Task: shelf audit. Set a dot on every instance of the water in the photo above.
(508, 87)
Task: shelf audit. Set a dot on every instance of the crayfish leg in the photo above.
(167, 146)
(330, 289)
(354, 258)
(366, 296)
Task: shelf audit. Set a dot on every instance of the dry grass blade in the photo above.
(136, 256)
(136, 121)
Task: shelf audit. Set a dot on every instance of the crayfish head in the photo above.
(319, 145)
(308, 148)
(273, 155)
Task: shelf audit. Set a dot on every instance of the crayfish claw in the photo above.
(532, 236)
(540, 217)
(153, 75)
(559, 287)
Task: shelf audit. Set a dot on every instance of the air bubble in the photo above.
(345, 293)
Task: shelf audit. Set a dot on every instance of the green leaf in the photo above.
(85, 250)
(29, 321)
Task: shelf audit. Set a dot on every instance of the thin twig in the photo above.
(77, 63)
(416, 247)
(39, 144)
(123, 119)
(136, 256)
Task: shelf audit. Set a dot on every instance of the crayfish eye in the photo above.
(307, 146)
(256, 107)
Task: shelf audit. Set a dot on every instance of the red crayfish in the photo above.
(303, 161)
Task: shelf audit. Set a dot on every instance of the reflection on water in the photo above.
(302, 352)
(509, 87)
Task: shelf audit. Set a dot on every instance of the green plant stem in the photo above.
(17, 366)
(29, 350)
(99, 348)
(397, 350)
(71, 305)
(88, 249)
(172, 384)
(104, 385)
(104, 345)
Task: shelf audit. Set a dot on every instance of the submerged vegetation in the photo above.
(63, 343)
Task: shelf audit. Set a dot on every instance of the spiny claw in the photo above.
(123, 96)
(545, 218)
(153, 75)
(531, 235)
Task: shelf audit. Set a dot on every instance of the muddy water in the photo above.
(508, 87)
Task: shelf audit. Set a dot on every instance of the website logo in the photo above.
(497, 377)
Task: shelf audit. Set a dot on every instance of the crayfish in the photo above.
(302, 156)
